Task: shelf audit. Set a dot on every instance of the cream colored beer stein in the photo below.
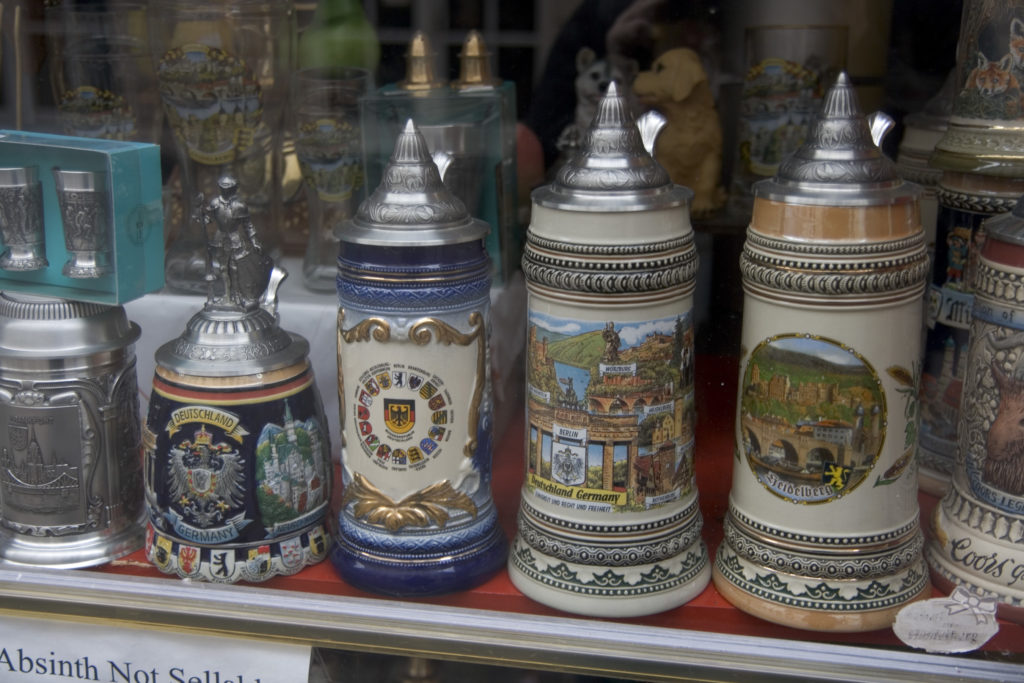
(608, 522)
(822, 531)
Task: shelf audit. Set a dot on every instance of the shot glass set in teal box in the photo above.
(80, 218)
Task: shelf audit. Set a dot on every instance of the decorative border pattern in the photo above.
(610, 529)
(928, 177)
(660, 277)
(605, 250)
(823, 597)
(999, 284)
(831, 279)
(609, 584)
(858, 542)
(211, 564)
(418, 544)
(982, 517)
(832, 251)
(967, 201)
(812, 565)
(607, 553)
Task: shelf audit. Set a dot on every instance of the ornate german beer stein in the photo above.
(978, 538)
(608, 521)
(822, 531)
(981, 157)
(70, 474)
(237, 451)
(414, 388)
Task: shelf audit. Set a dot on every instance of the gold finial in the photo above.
(419, 65)
(474, 67)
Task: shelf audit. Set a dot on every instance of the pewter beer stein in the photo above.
(70, 474)
(608, 520)
(237, 451)
(22, 234)
(978, 538)
(822, 531)
(414, 387)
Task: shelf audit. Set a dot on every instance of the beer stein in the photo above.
(414, 387)
(608, 521)
(70, 475)
(822, 530)
(237, 451)
(981, 158)
(22, 231)
(978, 538)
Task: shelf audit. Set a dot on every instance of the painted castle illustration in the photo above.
(801, 428)
(622, 413)
(294, 477)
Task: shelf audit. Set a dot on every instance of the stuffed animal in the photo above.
(592, 78)
(690, 145)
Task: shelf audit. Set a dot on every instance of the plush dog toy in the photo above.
(592, 78)
(690, 145)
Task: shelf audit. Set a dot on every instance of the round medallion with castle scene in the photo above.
(812, 419)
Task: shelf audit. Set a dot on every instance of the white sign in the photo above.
(574, 433)
(960, 623)
(617, 369)
(34, 649)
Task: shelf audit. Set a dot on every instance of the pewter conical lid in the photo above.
(47, 332)
(840, 163)
(411, 206)
(219, 342)
(612, 171)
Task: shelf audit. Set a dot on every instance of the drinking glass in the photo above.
(222, 70)
(788, 70)
(328, 144)
(100, 71)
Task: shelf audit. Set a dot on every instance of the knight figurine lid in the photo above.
(411, 206)
(840, 163)
(237, 331)
(613, 169)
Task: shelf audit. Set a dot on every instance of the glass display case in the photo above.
(359, 636)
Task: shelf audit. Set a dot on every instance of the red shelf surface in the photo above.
(716, 381)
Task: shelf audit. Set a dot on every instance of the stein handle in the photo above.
(443, 160)
(880, 124)
(650, 124)
(268, 301)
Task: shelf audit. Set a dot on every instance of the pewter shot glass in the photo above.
(21, 220)
(84, 210)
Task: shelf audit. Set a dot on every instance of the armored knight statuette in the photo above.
(235, 255)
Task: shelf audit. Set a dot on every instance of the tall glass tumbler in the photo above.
(326, 128)
(788, 70)
(222, 70)
(101, 73)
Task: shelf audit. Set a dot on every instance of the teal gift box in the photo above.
(111, 191)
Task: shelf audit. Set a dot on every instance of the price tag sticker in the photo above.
(33, 649)
(963, 622)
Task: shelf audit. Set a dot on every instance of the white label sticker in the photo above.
(960, 623)
(34, 649)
